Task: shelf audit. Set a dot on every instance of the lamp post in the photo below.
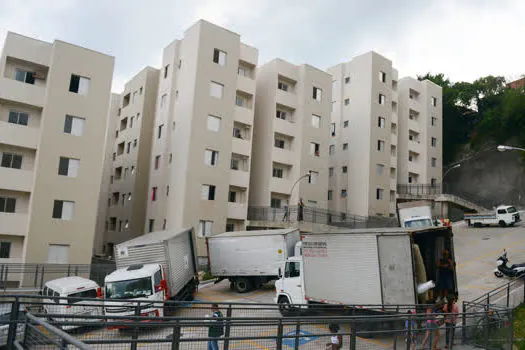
(296, 182)
(450, 169)
(503, 148)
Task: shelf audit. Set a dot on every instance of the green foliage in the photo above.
(479, 112)
(519, 327)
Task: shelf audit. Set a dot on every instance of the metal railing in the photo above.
(510, 294)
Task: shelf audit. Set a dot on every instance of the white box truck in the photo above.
(415, 214)
(157, 266)
(359, 268)
(248, 259)
(504, 215)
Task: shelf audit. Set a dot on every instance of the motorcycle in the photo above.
(515, 270)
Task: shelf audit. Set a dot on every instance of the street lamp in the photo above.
(297, 181)
(448, 171)
(503, 148)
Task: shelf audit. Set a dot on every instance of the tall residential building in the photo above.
(420, 156)
(292, 116)
(200, 164)
(363, 149)
(54, 100)
(130, 158)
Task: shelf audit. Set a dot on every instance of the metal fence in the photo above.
(510, 295)
(247, 326)
(318, 216)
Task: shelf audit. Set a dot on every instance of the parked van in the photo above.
(72, 288)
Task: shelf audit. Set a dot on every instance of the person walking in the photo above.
(451, 310)
(216, 329)
(445, 275)
(432, 327)
(411, 329)
(286, 216)
(336, 341)
(300, 210)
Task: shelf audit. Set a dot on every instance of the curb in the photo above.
(206, 283)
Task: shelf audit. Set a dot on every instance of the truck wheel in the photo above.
(284, 305)
(242, 285)
(502, 223)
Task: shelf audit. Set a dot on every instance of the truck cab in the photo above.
(289, 287)
(136, 283)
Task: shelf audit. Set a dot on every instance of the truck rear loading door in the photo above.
(181, 262)
(395, 264)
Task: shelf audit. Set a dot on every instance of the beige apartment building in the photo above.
(202, 135)
(363, 148)
(420, 155)
(54, 99)
(290, 141)
(129, 161)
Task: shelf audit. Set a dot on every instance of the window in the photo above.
(317, 94)
(159, 131)
(232, 197)
(345, 124)
(332, 129)
(315, 149)
(7, 205)
(330, 195)
(280, 115)
(433, 102)
(434, 162)
(140, 91)
(282, 86)
(344, 169)
(131, 122)
(382, 99)
(380, 122)
(379, 169)
(234, 164)
(151, 225)
(208, 192)
(132, 169)
(379, 193)
(63, 210)
(343, 193)
(135, 143)
(313, 177)
(164, 223)
(24, 76)
(171, 158)
(129, 147)
(331, 150)
(166, 69)
(134, 96)
(410, 179)
(292, 270)
(163, 100)
(216, 89)
(237, 133)
(68, 167)
(230, 227)
(240, 101)
(74, 125)
(347, 101)
(219, 57)
(211, 157)
(347, 80)
(433, 182)
(279, 143)
(433, 121)
(11, 160)
(277, 172)
(316, 121)
(79, 85)
(167, 190)
(154, 194)
(125, 172)
(382, 77)
(345, 146)
(410, 157)
(157, 162)
(214, 123)
(205, 228)
(5, 250)
(57, 254)
(380, 145)
(19, 118)
(433, 142)
(275, 202)
(331, 171)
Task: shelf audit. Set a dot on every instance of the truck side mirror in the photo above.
(280, 273)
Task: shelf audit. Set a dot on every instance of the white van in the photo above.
(72, 287)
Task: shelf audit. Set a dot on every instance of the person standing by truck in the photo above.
(300, 210)
(445, 275)
(216, 329)
(286, 216)
(336, 341)
(451, 310)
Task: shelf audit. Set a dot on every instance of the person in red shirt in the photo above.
(452, 311)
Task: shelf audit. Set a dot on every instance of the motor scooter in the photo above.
(515, 270)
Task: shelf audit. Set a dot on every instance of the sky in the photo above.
(464, 39)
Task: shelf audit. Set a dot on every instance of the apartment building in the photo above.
(54, 99)
(130, 158)
(202, 137)
(420, 156)
(290, 142)
(364, 136)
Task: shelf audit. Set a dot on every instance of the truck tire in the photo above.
(284, 305)
(502, 223)
(243, 285)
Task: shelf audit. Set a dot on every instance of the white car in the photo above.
(72, 287)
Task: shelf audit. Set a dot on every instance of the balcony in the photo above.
(241, 146)
(243, 115)
(246, 84)
(285, 98)
(248, 54)
(278, 185)
(283, 156)
(239, 178)
(13, 90)
(237, 211)
(414, 167)
(16, 180)
(393, 184)
(394, 96)
(14, 224)
(393, 160)
(413, 124)
(21, 136)
(415, 146)
(285, 127)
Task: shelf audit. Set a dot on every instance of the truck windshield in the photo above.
(418, 223)
(136, 288)
(511, 210)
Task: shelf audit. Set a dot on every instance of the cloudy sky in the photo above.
(464, 39)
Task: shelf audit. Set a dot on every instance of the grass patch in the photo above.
(519, 327)
(206, 276)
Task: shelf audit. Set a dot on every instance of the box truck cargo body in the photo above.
(250, 258)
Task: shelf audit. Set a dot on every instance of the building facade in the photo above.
(202, 135)
(290, 142)
(54, 100)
